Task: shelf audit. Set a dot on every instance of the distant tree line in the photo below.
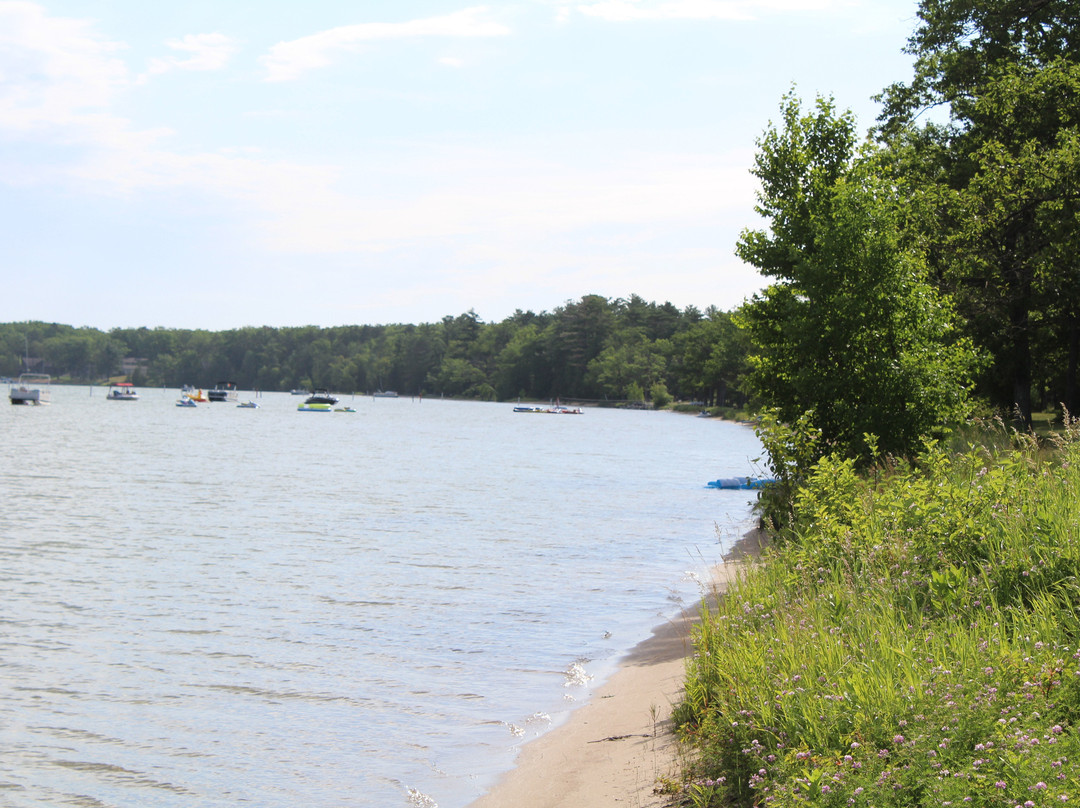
(590, 349)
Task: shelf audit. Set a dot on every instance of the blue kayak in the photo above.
(742, 483)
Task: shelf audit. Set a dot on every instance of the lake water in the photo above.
(221, 606)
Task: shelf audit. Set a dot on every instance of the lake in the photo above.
(219, 606)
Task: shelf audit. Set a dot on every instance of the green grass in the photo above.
(912, 639)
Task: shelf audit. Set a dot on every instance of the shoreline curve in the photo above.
(619, 745)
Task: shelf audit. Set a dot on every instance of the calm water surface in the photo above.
(220, 606)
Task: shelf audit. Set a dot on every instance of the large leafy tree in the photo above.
(851, 331)
(988, 130)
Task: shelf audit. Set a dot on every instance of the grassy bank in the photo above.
(911, 639)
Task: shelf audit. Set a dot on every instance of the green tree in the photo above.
(850, 331)
(987, 129)
(711, 356)
(630, 359)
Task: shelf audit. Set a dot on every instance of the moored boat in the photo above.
(122, 391)
(321, 396)
(32, 388)
(223, 391)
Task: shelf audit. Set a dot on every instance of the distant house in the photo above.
(130, 364)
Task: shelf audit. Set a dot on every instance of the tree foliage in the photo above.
(988, 130)
(851, 333)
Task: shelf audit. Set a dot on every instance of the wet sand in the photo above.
(617, 747)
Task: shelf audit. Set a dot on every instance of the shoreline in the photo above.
(619, 746)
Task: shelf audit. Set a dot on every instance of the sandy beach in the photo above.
(617, 747)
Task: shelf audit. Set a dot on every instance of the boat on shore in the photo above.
(31, 389)
(121, 391)
(223, 391)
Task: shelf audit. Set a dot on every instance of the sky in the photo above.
(216, 164)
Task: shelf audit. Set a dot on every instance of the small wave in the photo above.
(576, 675)
(420, 800)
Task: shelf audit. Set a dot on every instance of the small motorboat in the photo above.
(248, 405)
(321, 396)
(122, 391)
(223, 391)
(32, 388)
(184, 401)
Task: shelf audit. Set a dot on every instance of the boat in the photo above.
(554, 409)
(223, 391)
(190, 392)
(321, 396)
(384, 394)
(296, 391)
(185, 401)
(305, 407)
(248, 405)
(741, 483)
(344, 409)
(121, 391)
(32, 388)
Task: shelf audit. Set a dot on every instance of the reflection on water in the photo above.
(219, 605)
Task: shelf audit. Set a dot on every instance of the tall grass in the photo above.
(911, 640)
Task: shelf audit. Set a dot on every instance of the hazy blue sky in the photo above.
(220, 163)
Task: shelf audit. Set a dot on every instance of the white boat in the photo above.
(223, 391)
(296, 391)
(32, 388)
(122, 391)
(557, 409)
(184, 401)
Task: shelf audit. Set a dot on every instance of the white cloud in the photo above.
(54, 72)
(204, 52)
(287, 60)
(633, 10)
